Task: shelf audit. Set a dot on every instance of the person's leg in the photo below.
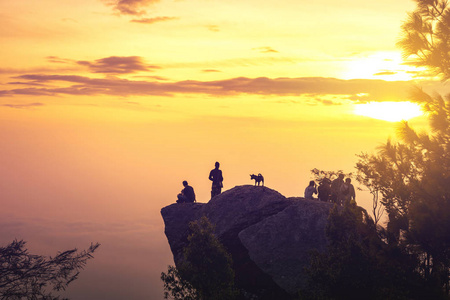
(181, 198)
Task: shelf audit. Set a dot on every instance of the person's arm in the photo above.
(211, 176)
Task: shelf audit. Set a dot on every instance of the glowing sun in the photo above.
(389, 111)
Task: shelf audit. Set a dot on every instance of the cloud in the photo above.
(372, 90)
(21, 106)
(154, 20)
(327, 102)
(69, 20)
(58, 60)
(39, 70)
(385, 73)
(211, 71)
(133, 7)
(26, 83)
(118, 65)
(265, 50)
(213, 28)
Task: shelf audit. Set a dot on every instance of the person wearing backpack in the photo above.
(347, 192)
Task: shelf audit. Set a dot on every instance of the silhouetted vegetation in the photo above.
(321, 175)
(425, 38)
(410, 259)
(28, 276)
(413, 178)
(359, 264)
(176, 287)
(206, 272)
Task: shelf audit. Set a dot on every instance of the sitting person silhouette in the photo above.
(310, 190)
(187, 194)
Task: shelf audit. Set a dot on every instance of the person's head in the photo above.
(312, 183)
(185, 183)
(348, 180)
(217, 164)
(341, 176)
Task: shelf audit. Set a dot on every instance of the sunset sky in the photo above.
(107, 106)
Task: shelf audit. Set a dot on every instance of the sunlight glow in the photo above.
(382, 65)
(389, 111)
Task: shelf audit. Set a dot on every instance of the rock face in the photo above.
(268, 235)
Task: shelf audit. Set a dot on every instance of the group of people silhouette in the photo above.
(337, 191)
(187, 194)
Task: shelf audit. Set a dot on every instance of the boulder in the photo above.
(268, 236)
(280, 244)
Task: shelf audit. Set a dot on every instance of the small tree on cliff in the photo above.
(27, 276)
(206, 272)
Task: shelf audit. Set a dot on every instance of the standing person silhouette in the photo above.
(336, 189)
(216, 177)
(348, 194)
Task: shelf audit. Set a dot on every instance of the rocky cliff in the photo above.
(268, 235)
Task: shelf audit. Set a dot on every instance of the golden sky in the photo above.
(107, 106)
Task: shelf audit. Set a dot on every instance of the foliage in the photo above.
(175, 287)
(425, 37)
(413, 175)
(320, 175)
(365, 177)
(413, 178)
(358, 264)
(206, 272)
(28, 276)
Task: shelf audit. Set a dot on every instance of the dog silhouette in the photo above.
(258, 179)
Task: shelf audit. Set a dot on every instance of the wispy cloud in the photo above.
(383, 73)
(58, 60)
(265, 50)
(373, 90)
(154, 20)
(118, 65)
(22, 106)
(132, 7)
(213, 28)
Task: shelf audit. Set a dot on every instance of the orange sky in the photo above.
(106, 106)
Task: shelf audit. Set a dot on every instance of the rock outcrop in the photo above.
(268, 235)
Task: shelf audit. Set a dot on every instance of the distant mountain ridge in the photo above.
(268, 235)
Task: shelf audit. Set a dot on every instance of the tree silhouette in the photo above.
(28, 276)
(425, 36)
(358, 264)
(413, 175)
(206, 272)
